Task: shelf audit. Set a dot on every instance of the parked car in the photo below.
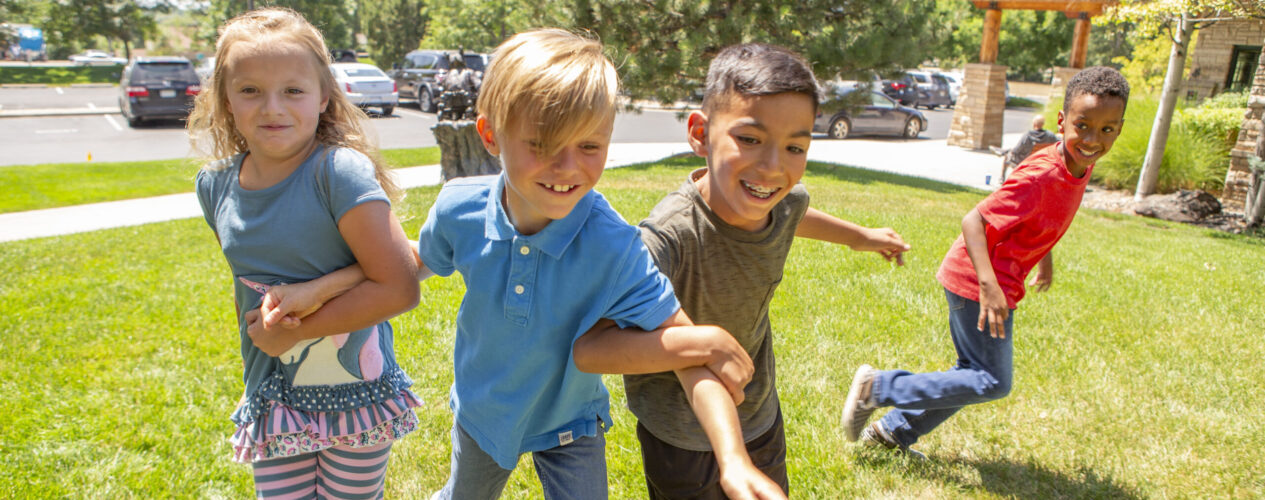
(96, 58)
(343, 55)
(902, 89)
(366, 86)
(844, 115)
(955, 85)
(157, 87)
(933, 91)
(417, 77)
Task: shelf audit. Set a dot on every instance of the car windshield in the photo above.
(163, 71)
(474, 61)
(363, 72)
(920, 77)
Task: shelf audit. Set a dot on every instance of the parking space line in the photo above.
(113, 123)
(59, 90)
(92, 106)
(411, 112)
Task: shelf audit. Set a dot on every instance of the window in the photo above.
(880, 101)
(1242, 67)
(423, 61)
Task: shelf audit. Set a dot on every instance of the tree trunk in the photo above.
(1164, 116)
(461, 153)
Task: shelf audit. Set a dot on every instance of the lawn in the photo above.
(1137, 374)
(31, 187)
(60, 75)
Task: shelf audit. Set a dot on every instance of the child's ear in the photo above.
(1060, 122)
(487, 134)
(697, 131)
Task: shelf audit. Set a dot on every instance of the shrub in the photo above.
(60, 75)
(1226, 100)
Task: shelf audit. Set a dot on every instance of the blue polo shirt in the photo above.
(528, 298)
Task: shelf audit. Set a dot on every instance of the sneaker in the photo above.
(875, 435)
(860, 402)
(997, 151)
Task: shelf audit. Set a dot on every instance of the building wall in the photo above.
(1210, 61)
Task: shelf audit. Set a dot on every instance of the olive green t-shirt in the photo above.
(723, 276)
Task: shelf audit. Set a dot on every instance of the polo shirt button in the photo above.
(519, 289)
(524, 250)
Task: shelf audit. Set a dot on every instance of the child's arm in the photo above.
(287, 305)
(1045, 274)
(676, 344)
(715, 410)
(380, 246)
(819, 225)
(992, 300)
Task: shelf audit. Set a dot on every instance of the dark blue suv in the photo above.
(157, 88)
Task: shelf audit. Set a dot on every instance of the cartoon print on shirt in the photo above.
(336, 359)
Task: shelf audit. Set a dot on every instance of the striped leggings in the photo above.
(339, 472)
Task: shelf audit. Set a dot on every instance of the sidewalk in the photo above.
(932, 159)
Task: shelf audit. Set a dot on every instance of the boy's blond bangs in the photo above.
(558, 80)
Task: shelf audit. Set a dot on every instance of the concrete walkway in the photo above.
(932, 159)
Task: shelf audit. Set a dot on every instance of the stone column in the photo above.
(979, 114)
(1058, 84)
(1239, 177)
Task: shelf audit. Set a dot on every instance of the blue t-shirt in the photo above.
(288, 233)
(528, 298)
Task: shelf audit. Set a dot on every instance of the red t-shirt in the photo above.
(1025, 218)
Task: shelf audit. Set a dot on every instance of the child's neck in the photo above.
(258, 172)
(1077, 171)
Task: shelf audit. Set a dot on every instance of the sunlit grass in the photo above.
(1136, 374)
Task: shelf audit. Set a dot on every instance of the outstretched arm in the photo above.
(819, 225)
(380, 246)
(715, 410)
(993, 308)
(676, 344)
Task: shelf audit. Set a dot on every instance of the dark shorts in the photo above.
(675, 473)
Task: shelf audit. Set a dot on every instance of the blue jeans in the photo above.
(575, 471)
(925, 400)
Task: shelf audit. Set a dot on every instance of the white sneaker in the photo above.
(860, 402)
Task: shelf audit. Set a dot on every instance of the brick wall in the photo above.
(1238, 178)
(1210, 61)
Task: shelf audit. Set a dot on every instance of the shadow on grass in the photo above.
(839, 172)
(1010, 479)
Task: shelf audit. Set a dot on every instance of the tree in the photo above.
(1181, 18)
(663, 47)
(480, 25)
(332, 17)
(81, 21)
(392, 28)
(1028, 46)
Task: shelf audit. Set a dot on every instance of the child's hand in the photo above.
(1044, 276)
(272, 342)
(287, 304)
(992, 310)
(744, 481)
(729, 361)
(886, 242)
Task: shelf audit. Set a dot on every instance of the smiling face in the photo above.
(756, 149)
(276, 99)
(538, 188)
(1090, 125)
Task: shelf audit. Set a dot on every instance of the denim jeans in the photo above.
(925, 400)
(575, 471)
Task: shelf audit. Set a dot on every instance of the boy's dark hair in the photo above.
(1099, 81)
(757, 69)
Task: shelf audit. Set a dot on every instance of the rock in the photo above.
(461, 152)
(1182, 206)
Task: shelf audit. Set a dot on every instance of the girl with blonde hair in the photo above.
(297, 192)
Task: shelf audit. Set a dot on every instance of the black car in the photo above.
(902, 89)
(845, 114)
(933, 89)
(417, 77)
(156, 88)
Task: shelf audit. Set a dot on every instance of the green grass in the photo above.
(55, 75)
(1136, 374)
(31, 187)
(1022, 102)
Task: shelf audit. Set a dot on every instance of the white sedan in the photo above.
(366, 86)
(96, 58)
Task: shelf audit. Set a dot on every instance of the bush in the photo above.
(1226, 100)
(1196, 156)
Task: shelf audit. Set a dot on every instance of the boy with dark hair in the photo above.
(722, 239)
(1002, 239)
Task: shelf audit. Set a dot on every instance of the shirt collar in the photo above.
(553, 239)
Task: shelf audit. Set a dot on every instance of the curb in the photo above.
(35, 113)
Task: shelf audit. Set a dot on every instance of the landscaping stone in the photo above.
(461, 152)
(1182, 206)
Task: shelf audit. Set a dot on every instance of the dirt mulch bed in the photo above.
(1101, 198)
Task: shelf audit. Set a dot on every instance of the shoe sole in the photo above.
(852, 405)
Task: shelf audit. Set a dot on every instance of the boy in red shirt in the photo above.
(1003, 238)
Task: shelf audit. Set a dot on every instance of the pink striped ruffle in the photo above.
(281, 431)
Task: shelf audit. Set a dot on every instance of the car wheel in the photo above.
(932, 106)
(133, 121)
(840, 128)
(425, 102)
(913, 127)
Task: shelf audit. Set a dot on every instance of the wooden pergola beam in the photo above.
(1071, 7)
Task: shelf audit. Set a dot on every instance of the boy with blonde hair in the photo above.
(722, 239)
